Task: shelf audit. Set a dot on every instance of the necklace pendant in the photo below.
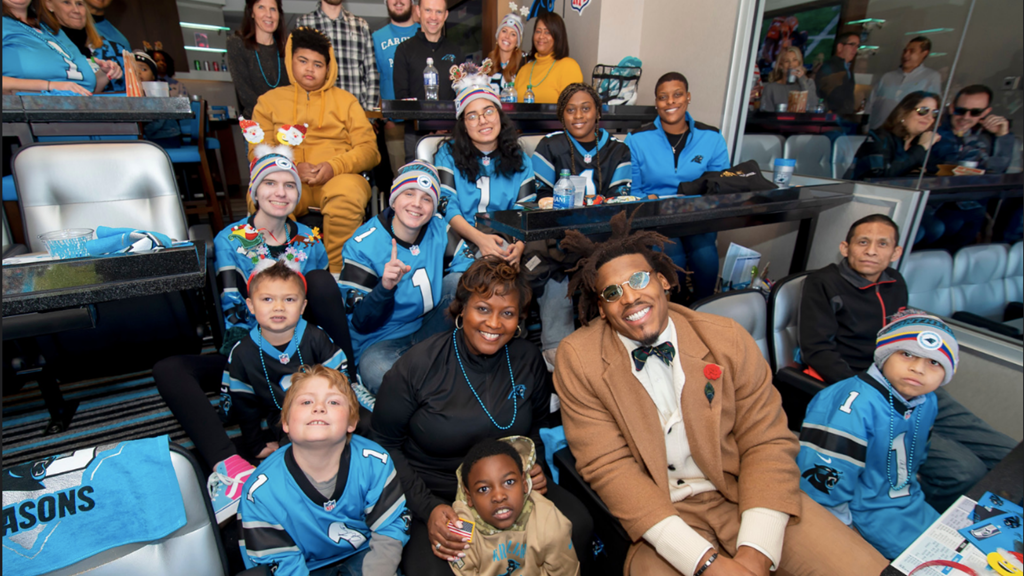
(487, 161)
(284, 358)
(415, 249)
(588, 158)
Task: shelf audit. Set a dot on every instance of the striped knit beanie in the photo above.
(515, 22)
(472, 82)
(269, 160)
(922, 335)
(418, 175)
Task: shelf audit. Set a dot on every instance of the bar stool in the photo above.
(196, 129)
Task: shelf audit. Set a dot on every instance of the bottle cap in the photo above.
(430, 61)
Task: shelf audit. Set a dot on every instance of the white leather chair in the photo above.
(813, 154)
(844, 149)
(929, 276)
(529, 142)
(784, 320)
(747, 307)
(90, 184)
(1013, 280)
(764, 148)
(978, 285)
(427, 146)
(194, 549)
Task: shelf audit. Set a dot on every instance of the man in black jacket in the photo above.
(411, 58)
(834, 80)
(845, 305)
(841, 311)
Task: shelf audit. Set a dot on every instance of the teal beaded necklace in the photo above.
(519, 391)
(259, 344)
(260, 66)
(910, 454)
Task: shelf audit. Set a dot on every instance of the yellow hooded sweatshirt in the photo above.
(338, 132)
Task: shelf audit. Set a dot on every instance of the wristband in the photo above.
(701, 570)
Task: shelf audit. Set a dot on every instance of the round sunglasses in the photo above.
(637, 281)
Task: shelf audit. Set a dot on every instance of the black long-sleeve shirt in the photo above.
(428, 418)
(411, 58)
(841, 313)
(883, 155)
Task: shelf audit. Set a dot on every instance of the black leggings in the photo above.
(184, 381)
(419, 560)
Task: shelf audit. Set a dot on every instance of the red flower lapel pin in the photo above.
(711, 372)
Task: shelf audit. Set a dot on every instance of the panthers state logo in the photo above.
(337, 532)
(822, 477)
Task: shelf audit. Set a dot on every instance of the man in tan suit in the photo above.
(673, 420)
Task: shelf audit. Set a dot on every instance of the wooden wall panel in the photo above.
(152, 21)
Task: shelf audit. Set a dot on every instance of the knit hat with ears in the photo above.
(417, 175)
(472, 83)
(917, 333)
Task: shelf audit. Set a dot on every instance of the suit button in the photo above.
(672, 467)
(669, 430)
(679, 482)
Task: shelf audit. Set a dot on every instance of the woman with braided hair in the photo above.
(584, 150)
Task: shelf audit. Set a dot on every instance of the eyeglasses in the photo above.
(924, 111)
(474, 117)
(637, 281)
(975, 112)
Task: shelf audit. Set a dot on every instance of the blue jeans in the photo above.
(963, 448)
(351, 566)
(555, 314)
(376, 360)
(701, 254)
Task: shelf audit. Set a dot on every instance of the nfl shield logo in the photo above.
(329, 505)
(579, 5)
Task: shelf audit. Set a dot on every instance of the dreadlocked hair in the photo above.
(623, 242)
(509, 158)
(563, 101)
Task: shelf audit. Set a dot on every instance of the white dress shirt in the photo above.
(894, 86)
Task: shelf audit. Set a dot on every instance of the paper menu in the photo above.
(942, 541)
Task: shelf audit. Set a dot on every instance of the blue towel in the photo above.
(554, 440)
(63, 509)
(111, 240)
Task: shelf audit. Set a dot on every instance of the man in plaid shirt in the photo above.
(353, 49)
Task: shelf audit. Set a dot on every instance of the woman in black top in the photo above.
(900, 145)
(255, 53)
(459, 387)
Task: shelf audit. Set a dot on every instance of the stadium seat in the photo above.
(978, 286)
(813, 154)
(929, 275)
(1013, 280)
(764, 148)
(195, 130)
(194, 549)
(796, 388)
(529, 142)
(427, 146)
(747, 307)
(844, 149)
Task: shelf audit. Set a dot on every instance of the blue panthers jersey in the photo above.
(848, 464)
(31, 53)
(385, 43)
(287, 523)
(111, 33)
(489, 193)
(419, 290)
(111, 50)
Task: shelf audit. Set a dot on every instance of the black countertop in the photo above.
(445, 110)
(20, 109)
(959, 188)
(675, 216)
(59, 284)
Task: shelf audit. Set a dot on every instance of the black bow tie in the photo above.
(666, 351)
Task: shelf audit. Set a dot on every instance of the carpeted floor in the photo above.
(110, 410)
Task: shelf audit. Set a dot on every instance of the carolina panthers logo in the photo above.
(1012, 522)
(448, 57)
(512, 567)
(929, 340)
(337, 532)
(698, 159)
(822, 477)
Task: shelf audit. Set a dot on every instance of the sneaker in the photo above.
(225, 486)
(365, 397)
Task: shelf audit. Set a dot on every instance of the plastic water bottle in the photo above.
(528, 98)
(430, 80)
(508, 93)
(565, 192)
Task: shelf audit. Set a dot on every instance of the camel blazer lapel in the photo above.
(642, 429)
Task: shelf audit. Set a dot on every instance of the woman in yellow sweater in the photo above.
(548, 69)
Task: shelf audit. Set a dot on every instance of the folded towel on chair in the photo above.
(63, 509)
(123, 240)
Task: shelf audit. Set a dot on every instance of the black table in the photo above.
(27, 117)
(785, 123)
(48, 297)
(943, 189)
(440, 115)
(682, 216)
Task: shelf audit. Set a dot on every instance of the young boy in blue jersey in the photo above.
(330, 502)
(864, 439)
(510, 528)
(393, 275)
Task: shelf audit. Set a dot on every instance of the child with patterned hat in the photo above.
(864, 439)
(393, 279)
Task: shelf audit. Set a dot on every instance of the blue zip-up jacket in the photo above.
(655, 169)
